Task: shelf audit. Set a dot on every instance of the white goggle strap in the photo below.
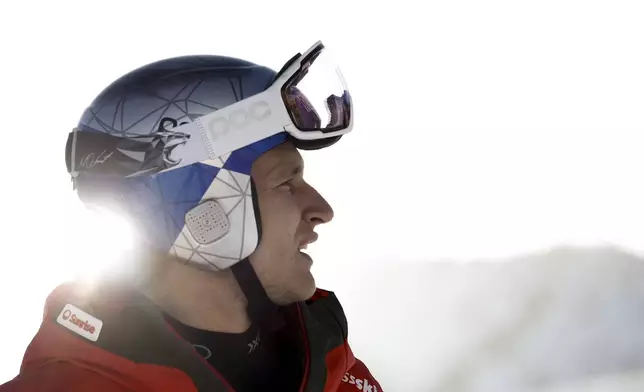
(232, 127)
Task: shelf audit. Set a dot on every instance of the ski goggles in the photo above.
(308, 99)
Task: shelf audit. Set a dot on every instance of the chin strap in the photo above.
(261, 310)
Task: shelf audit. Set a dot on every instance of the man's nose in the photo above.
(318, 210)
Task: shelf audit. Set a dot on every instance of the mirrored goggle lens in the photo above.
(317, 98)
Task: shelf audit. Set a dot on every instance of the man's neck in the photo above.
(205, 300)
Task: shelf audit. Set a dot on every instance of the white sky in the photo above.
(483, 129)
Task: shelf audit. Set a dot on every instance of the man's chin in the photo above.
(307, 290)
(304, 291)
(300, 288)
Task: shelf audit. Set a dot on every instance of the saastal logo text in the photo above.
(80, 322)
(361, 384)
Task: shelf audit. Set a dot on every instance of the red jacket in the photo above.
(119, 342)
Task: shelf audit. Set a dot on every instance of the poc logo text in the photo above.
(238, 119)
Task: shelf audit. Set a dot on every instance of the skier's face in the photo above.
(290, 210)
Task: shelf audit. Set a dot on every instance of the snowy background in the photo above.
(568, 319)
(487, 133)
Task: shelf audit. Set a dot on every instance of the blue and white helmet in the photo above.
(171, 144)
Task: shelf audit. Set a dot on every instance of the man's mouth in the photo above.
(308, 240)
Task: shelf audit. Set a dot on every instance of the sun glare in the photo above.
(103, 246)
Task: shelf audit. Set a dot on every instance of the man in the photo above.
(200, 153)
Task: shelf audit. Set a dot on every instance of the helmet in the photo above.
(171, 145)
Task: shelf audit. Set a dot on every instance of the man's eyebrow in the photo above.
(289, 170)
